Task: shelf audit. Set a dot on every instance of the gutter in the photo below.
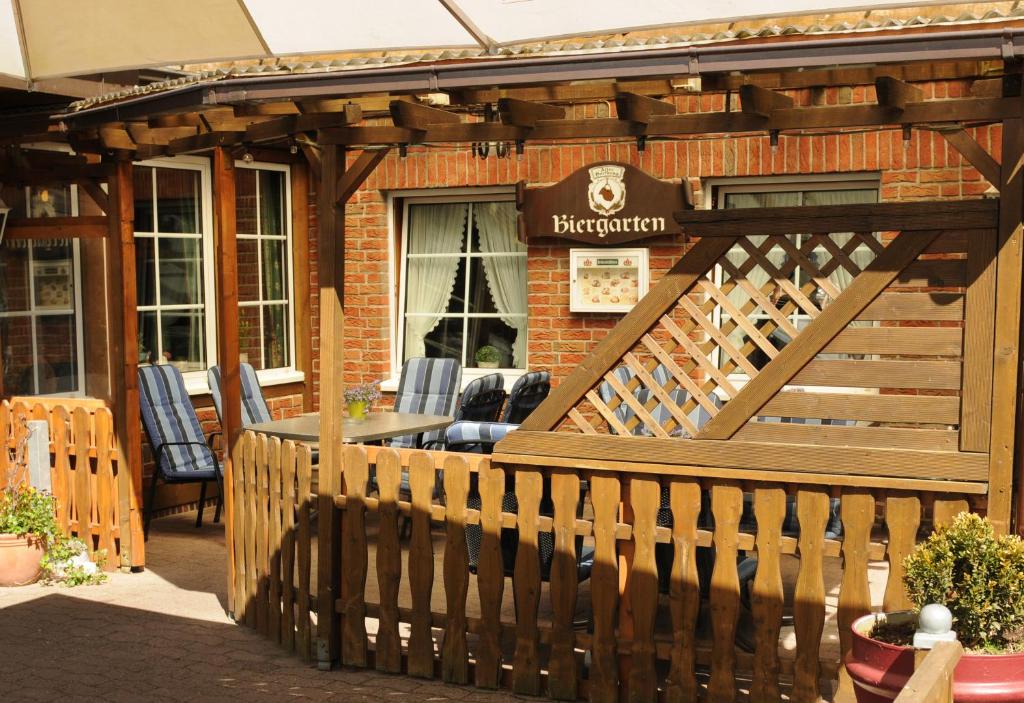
(1005, 44)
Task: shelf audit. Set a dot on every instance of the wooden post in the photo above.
(122, 318)
(300, 254)
(332, 341)
(226, 264)
(1007, 325)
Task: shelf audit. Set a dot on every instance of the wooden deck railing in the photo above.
(626, 645)
(92, 487)
(932, 681)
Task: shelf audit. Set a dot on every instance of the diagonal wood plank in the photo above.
(676, 283)
(822, 330)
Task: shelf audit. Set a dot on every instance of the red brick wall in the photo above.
(925, 167)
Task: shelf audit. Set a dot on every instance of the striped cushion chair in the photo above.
(181, 453)
(660, 412)
(254, 405)
(429, 387)
(483, 399)
(529, 391)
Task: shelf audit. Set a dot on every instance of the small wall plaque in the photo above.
(607, 280)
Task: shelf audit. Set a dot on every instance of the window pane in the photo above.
(50, 201)
(432, 287)
(444, 341)
(145, 270)
(762, 199)
(275, 276)
(249, 344)
(57, 360)
(245, 201)
(840, 197)
(181, 280)
(272, 202)
(480, 299)
(275, 337)
(148, 348)
(184, 343)
(178, 199)
(53, 276)
(248, 270)
(494, 228)
(16, 336)
(437, 229)
(14, 292)
(491, 331)
(143, 187)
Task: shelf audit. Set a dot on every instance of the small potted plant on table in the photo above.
(980, 578)
(360, 397)
(487, 357)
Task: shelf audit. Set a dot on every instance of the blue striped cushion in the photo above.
(485, 384)
(699, 416)
(168, 416)
(254, 405)
(525, 387)
(486, 433)
(429, 387)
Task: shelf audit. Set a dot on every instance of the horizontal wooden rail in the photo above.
(83, 227)
(932, 681)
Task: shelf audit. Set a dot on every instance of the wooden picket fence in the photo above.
(272, 537)
(92, 487)
(670, 657)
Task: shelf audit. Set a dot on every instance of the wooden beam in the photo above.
(116, 137)
(419, 117)
(640, 108)
(203, 142)
(761, 101)
(620, 339)
(523, 113)
(895, 94)
(357, 174)
(784, 119)
(32, 174)
(96, 193)
(226, 269)
(294, 124)
(932, 681)
(89, 227)
(312, 154)
(332, 336)
(975, 154)
(861, 217)
(122, 319)
(822, 330)
(1009, 258)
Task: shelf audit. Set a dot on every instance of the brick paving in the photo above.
(163, 635)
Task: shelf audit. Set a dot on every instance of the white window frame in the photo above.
(282, 374)
(715, 191)
(396, 262)
(76, 307)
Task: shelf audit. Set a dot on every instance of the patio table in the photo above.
(376, 426)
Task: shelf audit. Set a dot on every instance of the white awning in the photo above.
(53, 38)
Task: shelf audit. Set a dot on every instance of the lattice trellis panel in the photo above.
(736, 319)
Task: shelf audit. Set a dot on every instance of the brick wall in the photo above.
(925, 167)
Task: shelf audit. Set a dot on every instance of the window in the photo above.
(785, 194)
(40, 303)
(463, 281)
(172, 258)
(264, 263)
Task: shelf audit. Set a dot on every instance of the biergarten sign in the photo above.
(604, 204)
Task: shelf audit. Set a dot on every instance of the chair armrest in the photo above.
(209, 437)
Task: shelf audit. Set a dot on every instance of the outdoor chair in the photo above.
(427, 386)
(529, 391)
(254, 405)
(480, 438)
(483, 399)
(181, 453)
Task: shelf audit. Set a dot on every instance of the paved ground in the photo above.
(163, 635)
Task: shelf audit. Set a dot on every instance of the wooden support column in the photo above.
(332, 342)
(226, 269)
(300, 255)
(1007, 325)
(123, 322)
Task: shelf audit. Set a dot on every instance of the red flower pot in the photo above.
(879, 670)
(19, 559)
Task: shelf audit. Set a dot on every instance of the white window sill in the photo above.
(390, 385)
(196, 384)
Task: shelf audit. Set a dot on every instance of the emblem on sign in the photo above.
(607, 191)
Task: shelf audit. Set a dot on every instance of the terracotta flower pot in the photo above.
(19, 559)
(879, 670)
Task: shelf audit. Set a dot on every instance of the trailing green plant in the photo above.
(67, 561)
(977, 575)
(487, 354)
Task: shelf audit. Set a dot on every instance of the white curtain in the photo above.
(862, 255)
(434, 230)
(506, 275)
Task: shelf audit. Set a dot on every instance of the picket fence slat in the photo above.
(812, 508)
(562, 681)
(389, 562)
(455, 649)
(767, 597)
(727, 507)
(421, 568)
(526, 584)
(353, 550)
(490, 576)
